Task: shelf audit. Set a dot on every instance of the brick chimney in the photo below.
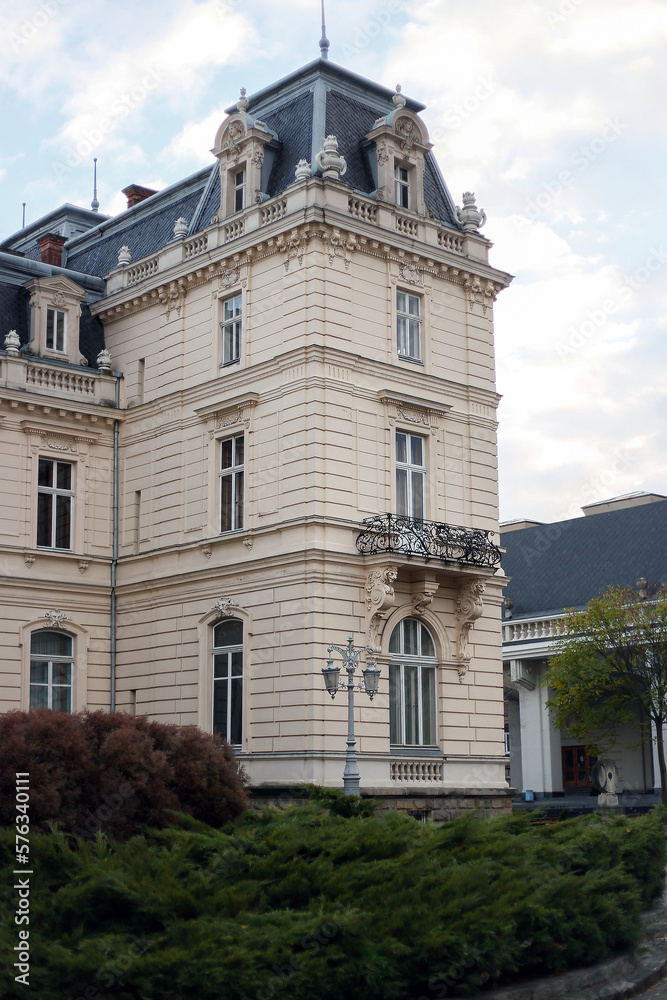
(51, 248)
(136, 193)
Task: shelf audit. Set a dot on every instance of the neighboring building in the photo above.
(301, 340)
(554, 567)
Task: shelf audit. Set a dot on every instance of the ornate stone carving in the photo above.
(471, 218)
(482, 293)
(55, 619)
(235, 132)
(181, 227)
(172, 296)
(206, 550)
(124, 256)
(379, 194)
(420, 602)
(229, 276)
(12, 343)
(248, 542)
(243, 102)
(413, 416)
(337, 245)
(229, 420)
(293, 245)
(379, 590)
(258, 156)
(469, 607)
(225, 607)
(409, 133)
(29, 560)
(83, 566)
(329, 162)
(59, 300)
(382, 153)
(379, 599)
(410, 273)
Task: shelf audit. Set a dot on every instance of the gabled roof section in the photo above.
(67, 220)
(565, 564)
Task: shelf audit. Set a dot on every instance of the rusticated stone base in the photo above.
(439, 804)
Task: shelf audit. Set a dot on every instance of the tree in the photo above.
(611, 659)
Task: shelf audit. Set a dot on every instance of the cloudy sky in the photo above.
(552, 111)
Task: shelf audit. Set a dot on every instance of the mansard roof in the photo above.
(565, 564)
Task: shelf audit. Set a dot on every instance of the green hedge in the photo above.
(305, 903)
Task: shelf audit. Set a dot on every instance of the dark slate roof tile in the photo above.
(350, 121)
(436, 195)
(14, 311)
(91, 335)
(565, 564)
(209, 201)
(293, 124)
(144, 235)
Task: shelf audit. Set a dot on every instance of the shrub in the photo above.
(115, 773)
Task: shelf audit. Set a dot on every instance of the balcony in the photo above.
(408, 536)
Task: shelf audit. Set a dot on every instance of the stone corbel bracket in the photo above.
(379, 600)
(469, 607)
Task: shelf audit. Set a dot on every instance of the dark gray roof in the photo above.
(350, 120)
(293, 124)
(144, 233)
(565, 564)
(14, 311)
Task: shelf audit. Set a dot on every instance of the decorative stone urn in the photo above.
(604, 776)
(124, 256)
(104, 361)
(181, 227)
(329, 162)
(303, 171)
(471, 218)
(12, 344)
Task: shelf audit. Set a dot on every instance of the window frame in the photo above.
(402, 186)
(239, 189)
(236, 473)
(423, 664)
(409, 318)
(234, 694)
(51, 660)
(56, 493)
(412, 470)
(55, 312)
(234, 324)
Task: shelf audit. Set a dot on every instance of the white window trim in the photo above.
(53, 492)
(403, 186)
(68, 660)
(217, 651)
(205, 677)
(56, 312)
(234, 360)
(405, 356)
(232, 472)
(81, 641)
(402, 660)
(242, 187)
(412, 470)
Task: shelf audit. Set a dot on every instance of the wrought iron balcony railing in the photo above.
(411, 536)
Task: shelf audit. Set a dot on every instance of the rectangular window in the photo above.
(402, 186)
(239, 190)
(54, 504)
(228, 680)
(55, 330)
(231, 483)
(412, 705)
(231, 326)
(51, 671)
(408, 326)
(410, 475)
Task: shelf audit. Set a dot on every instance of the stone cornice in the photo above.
(480, 281)
(57, 430)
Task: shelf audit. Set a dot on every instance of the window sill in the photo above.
(413, 361)
(228, 364)
(416, 751)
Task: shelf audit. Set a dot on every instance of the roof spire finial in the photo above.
(324, 41)
(95, 205)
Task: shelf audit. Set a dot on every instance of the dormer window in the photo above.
(402, 186)
(55, 310)
(55, 329)
(239, 190)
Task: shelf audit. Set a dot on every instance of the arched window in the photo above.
(412, 685)
(228, 679)
(51, 663)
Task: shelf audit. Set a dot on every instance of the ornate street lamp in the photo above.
(350, 655)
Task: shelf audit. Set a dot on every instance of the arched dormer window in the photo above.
(412, 685)
(228, 680)
(51, 669)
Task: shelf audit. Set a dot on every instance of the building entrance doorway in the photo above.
(576, 767)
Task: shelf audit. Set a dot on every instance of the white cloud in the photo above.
(195, 140)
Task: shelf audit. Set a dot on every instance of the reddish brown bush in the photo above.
(115, 773)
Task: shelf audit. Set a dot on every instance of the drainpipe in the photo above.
(114, 553)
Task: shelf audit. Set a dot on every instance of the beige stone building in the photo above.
(293, 439)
